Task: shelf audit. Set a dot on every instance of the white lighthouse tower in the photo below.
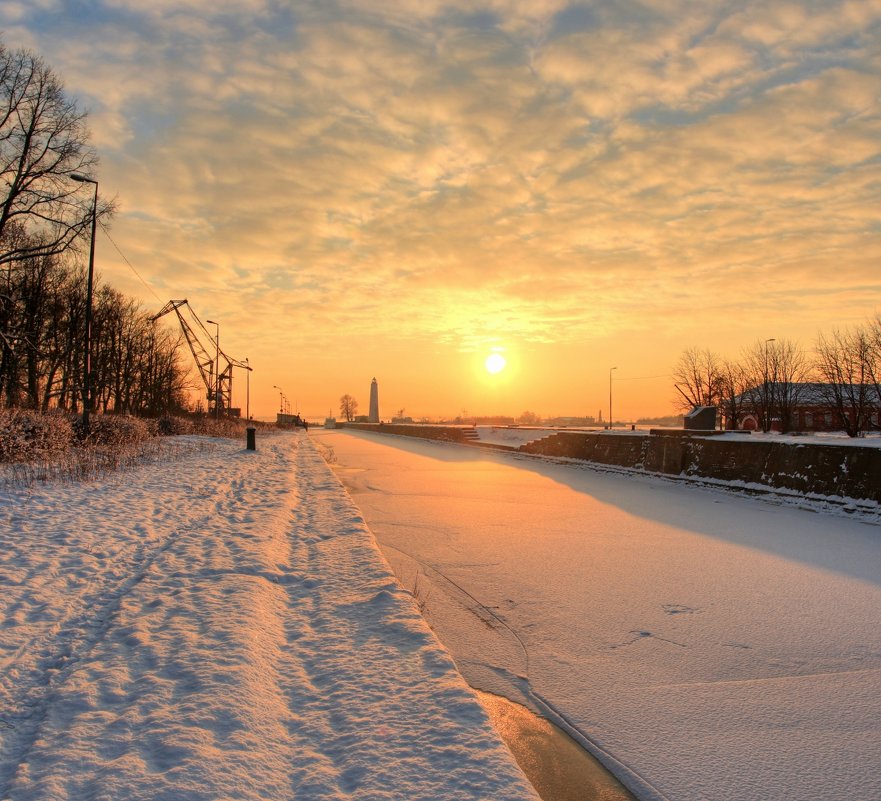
(373, 417)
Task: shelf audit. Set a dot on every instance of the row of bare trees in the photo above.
(772, 378)
(45, 219)
(137, 367)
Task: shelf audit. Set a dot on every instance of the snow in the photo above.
(221, 625)
(516, 436)
(703, 644)
(871, 440)
(511, 437)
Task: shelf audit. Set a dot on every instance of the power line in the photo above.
(643, 377)
(130, 265)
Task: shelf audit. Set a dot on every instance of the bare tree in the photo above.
(43, 140)
(776, 372)
(759, 364)
(874, 334)
(793, 370)
(845, 363)
(348, 407)
(696, 379)
(733, 386)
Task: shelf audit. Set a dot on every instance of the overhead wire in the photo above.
(130, 265)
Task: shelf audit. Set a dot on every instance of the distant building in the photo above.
(373, 416)
(813, 410)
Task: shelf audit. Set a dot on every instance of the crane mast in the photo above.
(218, 387)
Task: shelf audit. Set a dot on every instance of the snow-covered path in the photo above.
(222, 626)
(712, 645)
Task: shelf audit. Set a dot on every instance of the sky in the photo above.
(398, 189)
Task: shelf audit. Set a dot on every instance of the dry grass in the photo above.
(38, 447)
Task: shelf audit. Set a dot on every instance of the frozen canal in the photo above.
(707, 645)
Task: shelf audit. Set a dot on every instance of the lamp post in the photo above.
(280, 399)
(610, 396)
(217, 370)
(770, 387)
(248, 390)
(87, 340)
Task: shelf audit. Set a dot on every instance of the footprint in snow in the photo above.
(679, 609)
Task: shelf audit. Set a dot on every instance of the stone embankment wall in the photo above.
(808, 468)
(443, 433)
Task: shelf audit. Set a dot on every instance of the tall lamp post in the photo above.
(87, 340)
(610, 396)
(280, 399)
(248, 390)
(216, 370)
(770, 387)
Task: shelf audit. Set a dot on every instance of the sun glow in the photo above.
(495, 363)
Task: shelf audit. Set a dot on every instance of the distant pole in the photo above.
(610, 396)
(87, 339)
(280, 399)
(770, 389)
(248, 390)
(217, 371)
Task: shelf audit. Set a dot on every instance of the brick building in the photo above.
(813, 410)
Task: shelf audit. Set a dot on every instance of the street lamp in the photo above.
(280, 399)
(248, 390)
(87, 341)
(770, 387)
(217, 371)
(610, 396)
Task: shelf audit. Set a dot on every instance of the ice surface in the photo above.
(222, 626)
(707, 645)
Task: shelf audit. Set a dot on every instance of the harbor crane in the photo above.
(218, 382)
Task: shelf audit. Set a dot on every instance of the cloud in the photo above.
(468, 171)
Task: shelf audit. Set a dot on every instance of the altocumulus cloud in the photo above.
(486, 169)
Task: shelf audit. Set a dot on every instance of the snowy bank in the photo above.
(702, 644)
(222, 625)
(823, 468)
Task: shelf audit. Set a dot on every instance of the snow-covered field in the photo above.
(221, 626)
(707, 645)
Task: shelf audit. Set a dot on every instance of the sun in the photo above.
(495, 363)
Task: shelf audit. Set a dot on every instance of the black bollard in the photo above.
(252, 438)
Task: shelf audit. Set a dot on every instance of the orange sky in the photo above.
(392, 189)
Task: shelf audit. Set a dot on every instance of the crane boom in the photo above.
(219, 388)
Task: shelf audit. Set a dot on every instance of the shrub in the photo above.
(169, 426)
(231, 427)
(114, 431)
(28, 436)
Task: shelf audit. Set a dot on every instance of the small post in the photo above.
(252, 438)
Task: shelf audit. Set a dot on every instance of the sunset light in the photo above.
(356, 356)
(364, 190)
(495, 363)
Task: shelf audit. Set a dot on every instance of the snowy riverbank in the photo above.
(221, 625)
(703, 644)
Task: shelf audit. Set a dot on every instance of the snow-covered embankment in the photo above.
(222, 625)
